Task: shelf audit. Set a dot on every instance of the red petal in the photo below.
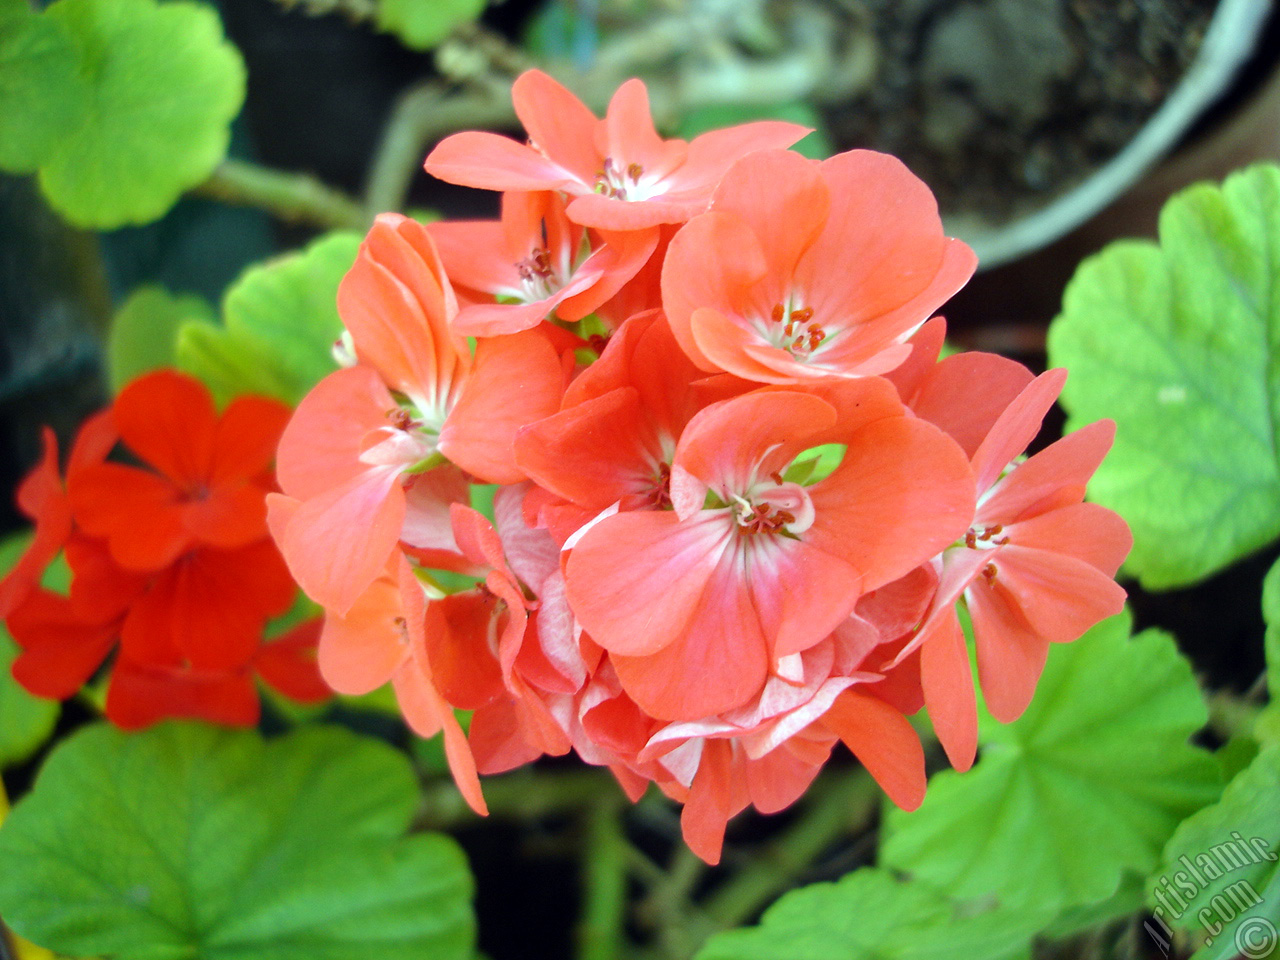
(141, 694)
(140, 513)
(41, 497)
(60, 652)
(288, 664)
(247, 436)
(168, 420)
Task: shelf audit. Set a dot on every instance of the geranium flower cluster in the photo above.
(171, 564)
(739, 499)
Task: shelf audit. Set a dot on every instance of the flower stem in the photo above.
(292, 197)
(520, 795)
(601, 932)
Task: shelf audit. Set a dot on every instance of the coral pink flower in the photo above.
(1036, 565)
(619, 172)
(417, 397)
(536, 263)
(804, 270)
(697, 605)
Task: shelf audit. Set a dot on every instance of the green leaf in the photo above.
(25, 721)
(421, 24)
(42, 95)
(869, 915)
(1100, 762)
(1267, 727)
(1219, 876)
(1178, 343)
(279, 322)
(186, 842)
(164, 87)
(144, 332)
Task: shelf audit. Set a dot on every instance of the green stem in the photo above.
(601, 933)
(520, 795)
(292, 197)
(844, 806)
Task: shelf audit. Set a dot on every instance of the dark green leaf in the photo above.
(190, 842)
(1178, 343)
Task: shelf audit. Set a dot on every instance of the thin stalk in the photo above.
(292, 197)
(601, 932)
(520, 795)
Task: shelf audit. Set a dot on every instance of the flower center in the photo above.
(794, 330)
(538, 278)
(986, 538)
(621, 183)
(774, 508)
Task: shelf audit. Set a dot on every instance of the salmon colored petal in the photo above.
(475, 255)
(948, 688)
(492, 162)
(1011, 655)
(729, 345)
(168, 420)
(497, 319)
(60, 652)
(338, 542)
(796, 211)
(1014, 430)
(1060, 597)
(361, 650)
(614, 213)
(463, 668)
(712, 154)
(720, 662)
(41, 497)
(246, 439)
(628, 137)
(1053, 478)
(516, 381)
(729, 444)
(620, 258)
(778, 779)
(902, 493)
(139, 513)
(709, 806)
(926, 345)
(966, 393)
(321, 446)
(710, 263)
(143, 694)
(558, 123)
(497, 741)
(882, 739)
(801, 593)
(1086, 531)
(421, 704)
(288, 664)
(636, 579)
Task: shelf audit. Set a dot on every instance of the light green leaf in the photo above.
(187, 841)
(421, 24)
(1100, 762)
(25, 721)
(1179, 344)
(279, 322)
(1219, 877)
(145, 330)
(164, 87)
(1267, 728)
(42, 95)
(871, 916)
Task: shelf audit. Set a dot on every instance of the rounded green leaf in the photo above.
(165, 85)
(421, 25)
(1100, 762)
(280, 320)
(1219, 878)
(871, 916)
(144, 332)
(43, 98)
(1180, 344)
(187, 841)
